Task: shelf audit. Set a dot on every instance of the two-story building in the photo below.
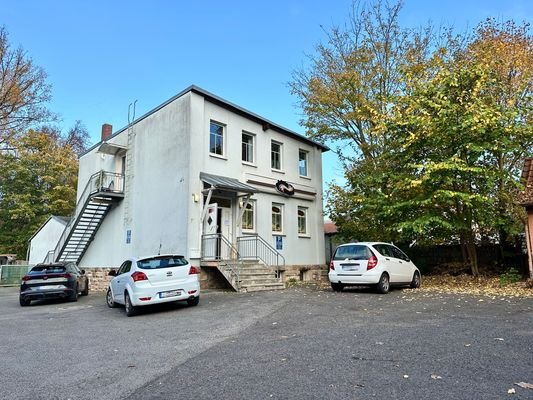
(202, 177)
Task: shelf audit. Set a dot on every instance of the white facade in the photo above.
(45, 239)
(163, 155)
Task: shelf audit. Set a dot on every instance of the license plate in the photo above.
(350, 267)
(49, 287)
(172, 293)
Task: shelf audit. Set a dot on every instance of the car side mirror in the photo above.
(112, 273)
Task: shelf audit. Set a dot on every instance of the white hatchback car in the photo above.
(153, 280)
(368, 263)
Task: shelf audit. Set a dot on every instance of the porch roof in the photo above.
(226, 183)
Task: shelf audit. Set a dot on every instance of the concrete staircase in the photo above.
(256, 277)
(250, 276)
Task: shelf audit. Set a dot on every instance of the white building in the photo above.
(205, 178)
(45, 238)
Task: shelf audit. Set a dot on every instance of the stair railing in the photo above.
(254, 247)
(217, 247)
(101, 181)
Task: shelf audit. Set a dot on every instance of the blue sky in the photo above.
(100, 56)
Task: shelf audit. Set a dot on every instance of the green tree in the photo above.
(459, 135)
(38, 179)
(346, 95)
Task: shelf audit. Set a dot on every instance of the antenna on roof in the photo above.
(160, 244)
(132, 115)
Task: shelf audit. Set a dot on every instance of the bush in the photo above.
(510, 276)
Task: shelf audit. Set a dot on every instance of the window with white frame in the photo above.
(216, 138)
(275, 155)
(302, 220)
(248, 217)
(247, 147)
(302, 162)
(277, 217)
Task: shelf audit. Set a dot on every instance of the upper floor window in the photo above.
(247, 148)
(275, 155)
(302, 221)
(277, 217)
(248, 217)
(302, 162)
(216, 138)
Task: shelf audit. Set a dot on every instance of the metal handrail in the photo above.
(217, 247)
(254, 247)
(102, 181)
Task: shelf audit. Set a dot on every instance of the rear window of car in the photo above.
(47, 269)
(352, 252)
(162, 262)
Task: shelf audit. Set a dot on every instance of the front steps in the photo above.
(252, 276)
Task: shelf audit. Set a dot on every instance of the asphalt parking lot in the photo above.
(301, 343)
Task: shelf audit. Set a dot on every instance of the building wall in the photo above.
(164, 198)
(154, 209)
(308, 249)
(45, 240)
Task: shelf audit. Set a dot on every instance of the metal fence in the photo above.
(11, 275)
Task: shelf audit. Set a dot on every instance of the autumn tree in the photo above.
(38, 179)
(346, 94)
(24, 92)
(460, 133)
(431, 129)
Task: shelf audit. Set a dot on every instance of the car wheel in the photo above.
(24, 302)
(85, 291)
(383, 284)
(193, 302)
(416, 282)
(74, 295)
(337, 287)
(109, 299)
(130, 309)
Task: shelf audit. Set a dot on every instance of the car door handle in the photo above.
(387, 258)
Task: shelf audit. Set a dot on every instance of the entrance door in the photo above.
(211, 244)
(225, 228)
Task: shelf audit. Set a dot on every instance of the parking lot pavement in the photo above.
(295, 344)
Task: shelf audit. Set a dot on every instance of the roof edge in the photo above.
(222, 102)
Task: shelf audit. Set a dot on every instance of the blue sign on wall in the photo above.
(128, 236)
(279, 242)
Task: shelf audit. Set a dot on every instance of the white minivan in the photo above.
(372, 263)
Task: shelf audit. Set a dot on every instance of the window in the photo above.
(248, 217)
(275, 155)
(352, 252)
(277, 217)
(302, 162)
(125, 267)
(216, 138)
(247, 147)
(302, 221)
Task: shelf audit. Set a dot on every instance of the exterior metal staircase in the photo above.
(102, 192)
(250, 266)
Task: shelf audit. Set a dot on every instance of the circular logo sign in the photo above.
(285, 188)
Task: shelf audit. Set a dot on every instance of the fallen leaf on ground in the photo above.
(436, 376)
(525, 385)
(511, 391)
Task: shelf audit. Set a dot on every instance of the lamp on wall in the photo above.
(195, 197)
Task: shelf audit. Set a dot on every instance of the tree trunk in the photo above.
(472, 254)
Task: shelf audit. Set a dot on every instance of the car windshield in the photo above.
(162, 262)
(352, 252)
(47, 269)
